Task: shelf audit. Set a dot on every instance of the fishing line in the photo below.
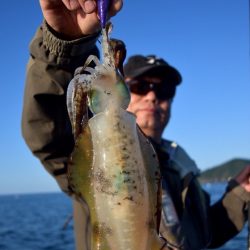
(248, 216)
(248, 203)
(249, 27)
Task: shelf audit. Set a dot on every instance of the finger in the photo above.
(243, 175)
(116, 6)
(71, 4)
(246, 170)
(88, 6)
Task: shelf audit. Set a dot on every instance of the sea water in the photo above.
(42, 222)
(36, 222)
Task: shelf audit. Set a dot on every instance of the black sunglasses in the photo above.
(163, 91)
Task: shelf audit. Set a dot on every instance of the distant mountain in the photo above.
(224, 171)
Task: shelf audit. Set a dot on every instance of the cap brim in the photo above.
(165, 71)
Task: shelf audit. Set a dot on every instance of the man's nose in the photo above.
(151, 95)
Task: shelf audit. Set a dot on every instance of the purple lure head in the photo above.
(103, 10)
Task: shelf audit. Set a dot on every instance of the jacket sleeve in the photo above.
(228, 215)
(45, 123)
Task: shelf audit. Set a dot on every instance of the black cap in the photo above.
(138, 65)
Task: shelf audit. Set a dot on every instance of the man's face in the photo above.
(152, 111)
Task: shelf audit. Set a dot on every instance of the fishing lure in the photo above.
(102, 6)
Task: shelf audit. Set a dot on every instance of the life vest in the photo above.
(184, 221)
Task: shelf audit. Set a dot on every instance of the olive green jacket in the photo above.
(47, 131)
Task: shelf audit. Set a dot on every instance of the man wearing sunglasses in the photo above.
(188, 221)
(64, 40)
(152, 83)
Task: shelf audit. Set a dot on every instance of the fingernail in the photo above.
(89, 6)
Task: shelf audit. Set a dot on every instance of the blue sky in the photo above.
(208, 41)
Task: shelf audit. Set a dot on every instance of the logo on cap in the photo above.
(153, 60)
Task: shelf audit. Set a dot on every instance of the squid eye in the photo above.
(101, 97)
(95, 101)
(123, 94)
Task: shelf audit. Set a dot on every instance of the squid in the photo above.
(113, 167)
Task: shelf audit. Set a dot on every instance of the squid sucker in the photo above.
(113, 167)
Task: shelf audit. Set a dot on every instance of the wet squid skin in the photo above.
(113, 167)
